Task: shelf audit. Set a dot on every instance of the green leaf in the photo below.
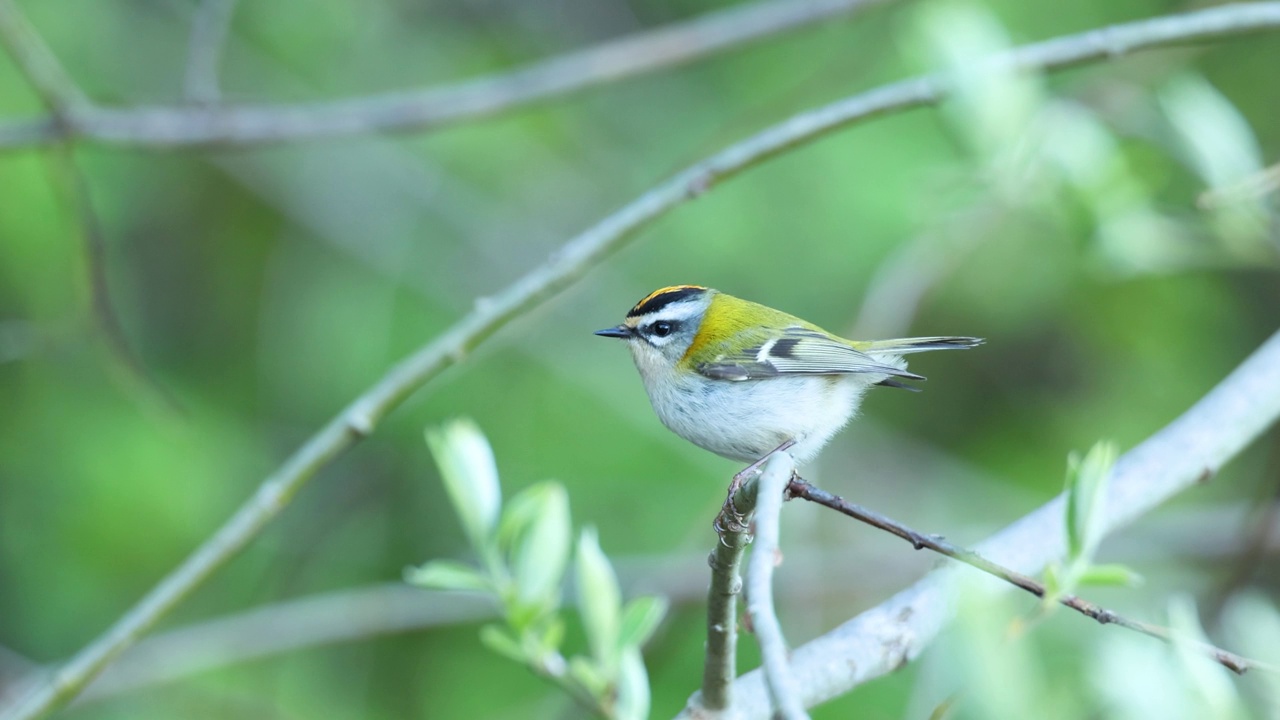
(1053, 586)
(518, 515)
(588, 675)
(599, 600)
(633, 686)
(470, 477)
(447, 575)
(542, 550)
(1086, 495)
(1109, 575)
(552, 634)
(639, 619)
(498, 640)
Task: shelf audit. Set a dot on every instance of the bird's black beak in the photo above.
(621, 331)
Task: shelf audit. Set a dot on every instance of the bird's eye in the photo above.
(662, 328)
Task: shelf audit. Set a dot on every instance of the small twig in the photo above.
(433, 107)
(209, 29)
(720, 666)
(773, 646)
(802, 489)
(103, 309)
(1257, 542)
(58, 91)
(1264, 182)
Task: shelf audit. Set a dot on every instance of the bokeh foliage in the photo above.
(264, 289)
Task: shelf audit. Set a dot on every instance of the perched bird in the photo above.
(742, 380)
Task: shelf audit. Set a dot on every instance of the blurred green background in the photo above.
(1062, 218)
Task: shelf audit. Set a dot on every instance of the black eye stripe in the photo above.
(660, 328)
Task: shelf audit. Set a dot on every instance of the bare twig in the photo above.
(209, 29)
(720, 666)
(361, 417)
(58, 91)
(433, 107)
(802, 489)
(879, 640)
(764, 619)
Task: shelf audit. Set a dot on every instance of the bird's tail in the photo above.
(905, 346)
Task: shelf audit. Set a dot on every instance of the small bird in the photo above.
(743, 380)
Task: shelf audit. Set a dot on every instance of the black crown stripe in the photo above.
(664, 297)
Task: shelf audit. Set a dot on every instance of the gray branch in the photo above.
(1197, 444)
(209, 30)
(764, 619)
(427, 108)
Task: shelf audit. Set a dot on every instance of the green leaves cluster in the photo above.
(1086, 498)
(524, 553)
(1038, 149)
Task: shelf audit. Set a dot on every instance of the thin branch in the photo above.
(209, 30)
(580, 254)
(62, 97)
(719, 668)
(58, 91)
(433, 107)
(764, 619)
(881, 639)
(802, 489)
(323, 618)
(103, 309)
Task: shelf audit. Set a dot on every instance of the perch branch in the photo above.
(719, 668)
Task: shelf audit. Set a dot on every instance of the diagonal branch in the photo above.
(433, 107)
(803, 489)
(575, 258)
(58, 91)
(881, 639)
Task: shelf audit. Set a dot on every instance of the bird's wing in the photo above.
(795, 351)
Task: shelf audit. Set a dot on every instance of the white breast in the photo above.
(745, 420)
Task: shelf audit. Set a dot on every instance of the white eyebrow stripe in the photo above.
(675, 312)
(764, 350)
